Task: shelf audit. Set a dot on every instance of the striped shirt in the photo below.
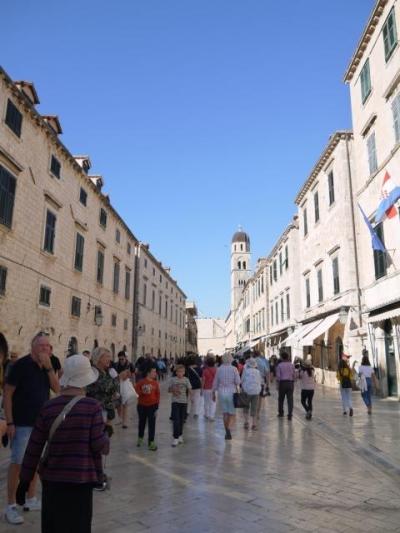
(226, 379)
(75, 450)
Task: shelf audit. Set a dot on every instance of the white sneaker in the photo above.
(32, 504)
(12, 515)
(174, 443)
(180, 440)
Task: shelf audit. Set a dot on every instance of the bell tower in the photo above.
(240, 265)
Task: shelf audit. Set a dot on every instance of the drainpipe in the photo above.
(350, 179)
(135, 318)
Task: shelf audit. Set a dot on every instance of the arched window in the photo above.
(143, 350)
(234, 247)
(241, 247)
(95, 344)
(72, 346)
(244, 265)
(239, 265)
(112, 350)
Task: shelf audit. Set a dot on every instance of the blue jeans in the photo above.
(19, 443)
(366, 395)
(345, 393)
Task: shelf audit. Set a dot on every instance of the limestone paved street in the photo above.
(331, 474)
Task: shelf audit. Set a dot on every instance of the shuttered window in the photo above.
(335, 274)
(55, 167)
(100, 266)
(76, 306)
(79, 246)
(3, 280)
(396, 117)
(13, 118)
(116, 277)
(44, 296)
(389, 33)
(320, 286)
(7, 196)
(365, 81)
(316, 207)
(83, 196)
(331, 188)
(372, 159)
(50, 232)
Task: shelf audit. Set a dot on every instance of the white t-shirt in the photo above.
(366, 370)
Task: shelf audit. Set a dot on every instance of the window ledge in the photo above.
(48, 255)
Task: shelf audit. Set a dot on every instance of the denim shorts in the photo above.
(225, 400)
(19, 443)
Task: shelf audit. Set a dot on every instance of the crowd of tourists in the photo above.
(59, 419)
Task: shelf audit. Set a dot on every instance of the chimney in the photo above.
(53, 122)
(28, 89)
(84, 162)
(98, 181)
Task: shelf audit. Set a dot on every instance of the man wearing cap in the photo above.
(73, 465)
(27, 388)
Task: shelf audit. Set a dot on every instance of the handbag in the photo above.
(240, 400)
(128, 393)
(60, 418)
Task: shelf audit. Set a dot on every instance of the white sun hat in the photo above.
(78, 372)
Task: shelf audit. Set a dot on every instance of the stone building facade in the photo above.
(328, 261)
(283, 288)
(67, 259)
(159, 319)
(191, 346)
(373, 77)
(210, 336)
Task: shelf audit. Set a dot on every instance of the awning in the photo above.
(294, 339)
(321, 328)
(385, 316)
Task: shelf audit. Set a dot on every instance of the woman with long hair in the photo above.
(367, 375)
(306, 375)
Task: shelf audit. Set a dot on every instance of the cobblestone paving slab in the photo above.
(286, 477)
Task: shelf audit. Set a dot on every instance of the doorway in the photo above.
(390, 359)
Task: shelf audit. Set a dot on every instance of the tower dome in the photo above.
(241, 236)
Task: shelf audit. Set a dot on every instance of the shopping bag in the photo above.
(127, 391)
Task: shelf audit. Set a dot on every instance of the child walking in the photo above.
(180, 388)
(306, 375)
(148, 390)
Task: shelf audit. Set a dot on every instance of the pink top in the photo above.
(307, 382)
(208, 377)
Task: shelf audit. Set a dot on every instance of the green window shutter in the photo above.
(389, 32)
(365, 81)
(396, 117)
(372, 159)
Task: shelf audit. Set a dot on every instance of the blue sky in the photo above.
(200, 114)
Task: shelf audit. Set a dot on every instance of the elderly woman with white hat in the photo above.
(70, 429)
